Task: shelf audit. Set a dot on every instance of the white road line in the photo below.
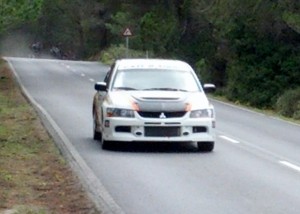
(69, 67)
(92, 80)
(290, 165)
(83, 75)
(229, 139)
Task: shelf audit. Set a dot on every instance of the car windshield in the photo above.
(155, 79)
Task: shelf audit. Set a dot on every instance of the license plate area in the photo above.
(160, 131)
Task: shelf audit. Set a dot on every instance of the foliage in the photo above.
(17, 12)
(288, 104)
(292, 19)
(201, 69)
(118, 23)
(250, 48)
(72, 25)
(261, 70)
(157, 31)
(119, 51)
(262, 54)
(154, 30)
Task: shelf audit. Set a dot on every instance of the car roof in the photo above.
(123, 64)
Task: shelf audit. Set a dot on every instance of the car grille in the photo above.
(148, 114)
(162, 131)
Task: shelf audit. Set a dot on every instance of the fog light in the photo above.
(138, 133)
(186, 133)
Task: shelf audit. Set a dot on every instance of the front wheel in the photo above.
(106, 144)
(97, 135)
(206, 146)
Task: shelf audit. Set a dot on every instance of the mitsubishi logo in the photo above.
(162, 116)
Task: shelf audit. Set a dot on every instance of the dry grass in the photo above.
(34, 177)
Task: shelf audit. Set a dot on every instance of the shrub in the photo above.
(119, 51)
(288, 104)
(296, 114)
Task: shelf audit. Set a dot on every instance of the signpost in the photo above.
(127, 33)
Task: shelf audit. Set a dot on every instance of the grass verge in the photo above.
(34, 177)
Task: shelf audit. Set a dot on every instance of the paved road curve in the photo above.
(255, 167)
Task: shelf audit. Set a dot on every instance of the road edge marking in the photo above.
(229, 139)
(290, 165)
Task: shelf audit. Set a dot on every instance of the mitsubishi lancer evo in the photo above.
(153, 100)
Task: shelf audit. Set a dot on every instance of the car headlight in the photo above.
(119, 112)
(202, 113)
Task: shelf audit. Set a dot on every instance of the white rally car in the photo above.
(153, 100)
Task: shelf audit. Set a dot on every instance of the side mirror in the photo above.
(100, 86)
(209, 88)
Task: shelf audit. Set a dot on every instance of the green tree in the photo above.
(14, 13)
(158, 31)
(75, 25)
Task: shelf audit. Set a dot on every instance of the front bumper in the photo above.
(158, 130)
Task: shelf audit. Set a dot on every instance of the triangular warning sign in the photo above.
(127, 32)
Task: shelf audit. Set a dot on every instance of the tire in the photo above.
(105, 145)
(206, 146)
(97, 135)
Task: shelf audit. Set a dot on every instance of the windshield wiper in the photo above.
(124, 88)
(164, 89)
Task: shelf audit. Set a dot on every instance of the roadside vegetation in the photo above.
(249, 49)
(288, 104)
(34, 177)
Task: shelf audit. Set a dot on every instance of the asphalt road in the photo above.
(255, 167)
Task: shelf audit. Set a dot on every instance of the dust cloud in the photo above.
(16, 45)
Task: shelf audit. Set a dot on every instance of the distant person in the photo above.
(56, 52)
(36, 48)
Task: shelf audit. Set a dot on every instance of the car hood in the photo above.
(158, 100)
